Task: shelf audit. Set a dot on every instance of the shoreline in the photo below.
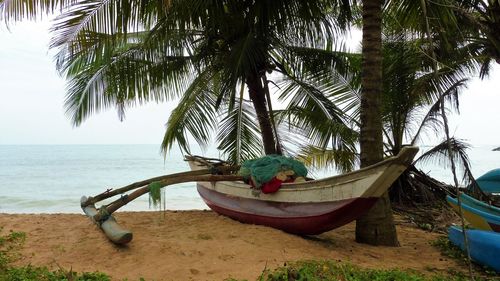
(120, 211)
(201, 245)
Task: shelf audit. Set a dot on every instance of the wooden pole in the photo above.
(104, 212)
(135, 185)
(447, 134)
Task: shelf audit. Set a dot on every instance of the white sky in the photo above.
(32, 97)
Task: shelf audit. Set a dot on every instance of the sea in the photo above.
(53, 178)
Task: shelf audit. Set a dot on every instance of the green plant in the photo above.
(449, 250)
(32, 273)
(8, 243)
(12, 241)
(330, 270)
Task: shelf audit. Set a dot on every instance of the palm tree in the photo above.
(462, 39)
(123, 53)
(470, 28)
(411, 106)
(479, 24)
(377, 226)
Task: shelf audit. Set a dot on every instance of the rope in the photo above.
(103, 215)
(214, 170)
(124, 198)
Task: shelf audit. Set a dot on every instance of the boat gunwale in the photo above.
(490, 218)
(479, 203)
(404, 158)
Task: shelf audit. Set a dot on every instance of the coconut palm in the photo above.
(412, 101)
(377, 226)
(479, 23)
(123, 53)
(410, 108)
(462, 32)
(470, 27)
(205, 52)
(379, 219)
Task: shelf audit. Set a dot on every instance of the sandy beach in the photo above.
(201, 245)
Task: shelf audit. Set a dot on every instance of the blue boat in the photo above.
(490, 182)
(484, 246)
(477, 213)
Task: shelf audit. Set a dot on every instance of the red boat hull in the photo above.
(297, 218)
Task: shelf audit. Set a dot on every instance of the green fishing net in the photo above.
(155, 194)
(264, 169)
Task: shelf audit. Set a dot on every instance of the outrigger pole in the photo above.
(103, 217)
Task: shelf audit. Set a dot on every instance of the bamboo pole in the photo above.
(447, 134)
(110, 193)
(105, 211)
(458, 191)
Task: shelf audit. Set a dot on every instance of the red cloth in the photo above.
(271, 186)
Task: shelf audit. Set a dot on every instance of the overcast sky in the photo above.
(32, 97)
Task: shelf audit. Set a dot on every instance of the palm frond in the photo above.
(412, 15)
(107, 17)
(123, 53)
(312, 107)
(245, 56)
(432, 119)
(342, 160)
(440, 154)
(332, 71)
(412, 89)
(17, 10)
(238, 135)
(195, 114)
(123, 75)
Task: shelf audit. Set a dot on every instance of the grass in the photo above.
(31, 273)
(8, 243)
(298, 271)
(330, 270)
(449, 250)
(12, 241)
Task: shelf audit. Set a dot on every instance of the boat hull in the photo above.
(484, 246)
(479, 214)
(296, 218)
(490, 182)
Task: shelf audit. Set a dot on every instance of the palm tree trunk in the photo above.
(258, 97)
(377, 226)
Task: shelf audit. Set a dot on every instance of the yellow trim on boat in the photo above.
(476, 220)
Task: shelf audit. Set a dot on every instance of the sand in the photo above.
(201, 245)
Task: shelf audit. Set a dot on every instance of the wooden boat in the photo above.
(310, 207)
(479, 214)
(484, 246)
